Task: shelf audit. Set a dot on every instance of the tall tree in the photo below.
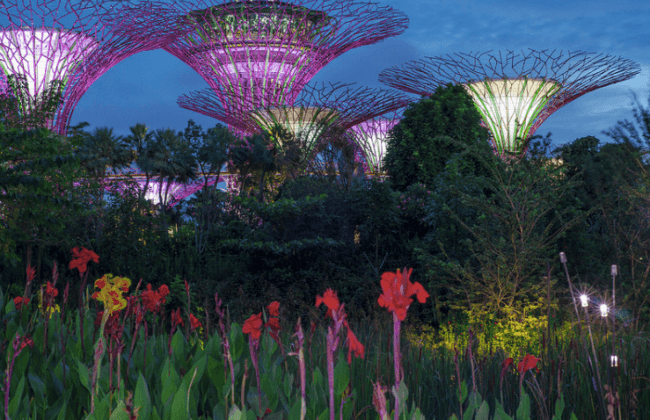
(431, 131)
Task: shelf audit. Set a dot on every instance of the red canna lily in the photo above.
(397, 290)
(330, 300)
(154, 299)
(354, 346)
(51, 291)
(509, 361)
(195, 323)
(274, 308)
(176, 319)
(27, 342)
(81, 257)
(252, 326)
(529, 362)
(18, 302)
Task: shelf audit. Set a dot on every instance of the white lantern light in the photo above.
(603, 310)
(584, 301)
(614, 360)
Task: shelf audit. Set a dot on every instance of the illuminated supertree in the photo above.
(316, 109)
(53, 50)
(262, 53)
(372, 136)
(515, 93)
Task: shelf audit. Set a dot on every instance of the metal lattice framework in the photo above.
(372, 137)
(515, 93)
(58, 48)
(262, 53)
(315, 109)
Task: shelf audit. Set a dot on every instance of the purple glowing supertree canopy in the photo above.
(58, 48)
(315, 109)
(515, 93)
(372, 137)
(262, 53)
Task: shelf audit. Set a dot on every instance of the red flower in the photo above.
(273, 308)
(529, 362)
(507, 363)
(31, 272)
(51, 291)
(330, 300)
(187, 287)
(18, 302)
(152, 299)
(397, 292)
(81, 257)
(176, 319)
(354, 346)
(27, 342)
(253, 326)
(195, 323)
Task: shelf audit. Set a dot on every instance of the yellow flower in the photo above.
(111, 289)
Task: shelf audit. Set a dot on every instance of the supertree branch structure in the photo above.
(372, 137)
(264, 52)
(514, 92)
(55, 49)
(315, 109)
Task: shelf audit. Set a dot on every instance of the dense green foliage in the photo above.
(431, 131)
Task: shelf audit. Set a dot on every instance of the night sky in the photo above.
(144, 88)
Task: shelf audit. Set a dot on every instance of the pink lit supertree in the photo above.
(262, 53)
(515, 93)
(315, 110)
(55, 49)
(372, 137)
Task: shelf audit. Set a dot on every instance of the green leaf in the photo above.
(178, 346)
(294, 414)
(38, 387)
(324, 415)
(401, 394)
(142, 398)
(234, 413)
(84, 378)
(317, 377)
(462, 395)
(120, 412)
(341, 377)
(469, 413)
(523, 411)
(559, 408)
(287, 386)
(236, 341)
(16, 399)
(573, 416)
(180, 410)
(216, 373)
(483, 412)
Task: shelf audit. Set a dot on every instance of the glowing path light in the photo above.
(372, 137)
(58, 48)
(515, 93)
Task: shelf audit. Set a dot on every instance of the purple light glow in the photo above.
(263, 53)
(372, 137)
(67, 45)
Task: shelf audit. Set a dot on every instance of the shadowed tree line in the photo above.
(480, 233)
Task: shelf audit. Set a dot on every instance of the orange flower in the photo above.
(195, 323)
(18, 302)
(354, 346)
(274, 308)
(529, 362)
(330, 300)
(252, 326)
(81, 257)
(397, 290)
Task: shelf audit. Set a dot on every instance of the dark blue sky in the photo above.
(144, 88)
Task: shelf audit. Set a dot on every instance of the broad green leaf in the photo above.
(317, 377)
(469, 413)
(180, 410)
(559, 408)
(84, 378)
(523, 411)
(120, 412)
(178, 346)
(38, 387)
(294, 414)
(287, 386)
(483, 412)
(236, 341)
(142, 398)
(16, 399)
(324, 415)
(573, 416)
(341, 377)
(401, 394)
(216, 373)
(462, 394)
(234, 413)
